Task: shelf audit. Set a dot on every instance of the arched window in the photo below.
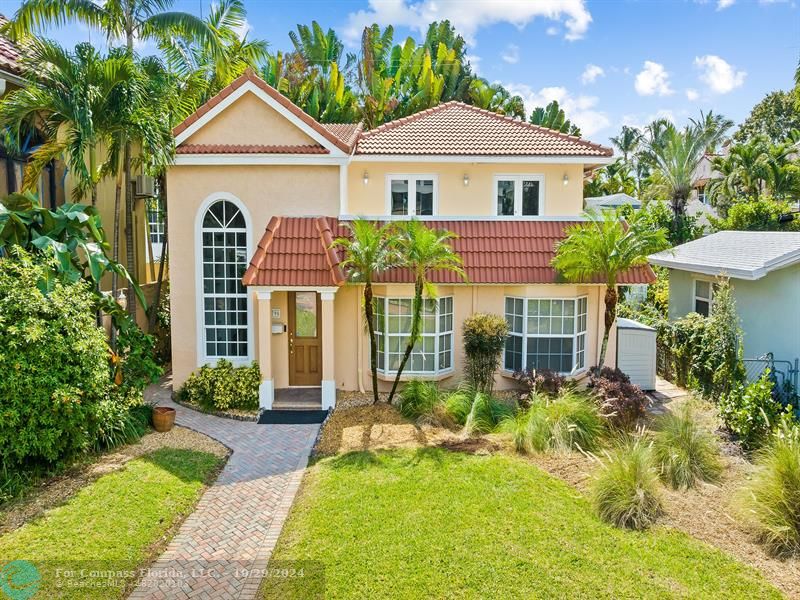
(224, 246)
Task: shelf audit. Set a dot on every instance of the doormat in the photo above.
(292, 417)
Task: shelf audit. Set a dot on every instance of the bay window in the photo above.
(411, 195)
(519, 195)
(433, 352)
(547, 333)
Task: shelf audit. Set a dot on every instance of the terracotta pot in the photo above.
(163, 418)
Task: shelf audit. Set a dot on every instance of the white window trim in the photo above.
(525, 335)
(158, 247)
(695, 297)
(437, 372)
(202, 357)
(518, 178)
(412, 192)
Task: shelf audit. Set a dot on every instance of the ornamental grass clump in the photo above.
(570, 421)
(424, 402)
(477, 412)
(684, 452)
(625, 489)
(771, 502)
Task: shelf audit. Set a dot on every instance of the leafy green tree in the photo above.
(627, 142)
(775, 116)
(496, 98)
(614, 178)
(423, 250)
(605, 247)
(67, 100)
(760, 214)
(552, 116)
(369, 250)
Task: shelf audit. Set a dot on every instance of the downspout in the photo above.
(600, 324)
(359, 344)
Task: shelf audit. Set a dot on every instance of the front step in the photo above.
(291, 417)
(297, 404)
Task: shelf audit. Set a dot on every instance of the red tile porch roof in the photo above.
(295, 251)
(10, 55)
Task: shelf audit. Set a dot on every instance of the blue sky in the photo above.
(608, 62)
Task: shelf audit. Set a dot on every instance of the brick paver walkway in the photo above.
(222, 549)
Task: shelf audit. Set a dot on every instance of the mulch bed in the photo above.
(59, 489)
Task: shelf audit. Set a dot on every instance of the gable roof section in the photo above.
(455, 128)
(249, 81)
(10, 55)
(295, 251)
(738, 254)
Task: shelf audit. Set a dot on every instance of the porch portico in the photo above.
(296, 341)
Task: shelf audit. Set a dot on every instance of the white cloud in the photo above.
(720, 76)
(692, 95)
(653, 79)
(640, 121)
(581, 110)
(511, 55)
(467, 20)
(723, 4)
(552, 30)
(591, 73)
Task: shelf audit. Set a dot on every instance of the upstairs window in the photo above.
(412, 195)
(518, 195)
(703, 296)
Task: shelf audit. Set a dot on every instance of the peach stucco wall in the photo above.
(265, 191)
(249, 121)
(455, 199)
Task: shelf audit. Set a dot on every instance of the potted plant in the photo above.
(163, 418)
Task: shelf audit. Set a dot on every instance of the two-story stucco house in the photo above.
(259, 190)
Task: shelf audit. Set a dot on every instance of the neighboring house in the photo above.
(764, 271)
(612, 201)
(259, 190)
(56, 185)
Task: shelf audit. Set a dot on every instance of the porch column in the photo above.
(328, 352)
(266, 391)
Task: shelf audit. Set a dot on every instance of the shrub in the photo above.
(53, 364)
(750, 411)
(477, 412)
(224, 386)
(419, 399)
(625, 489)
(538, 381)
(684, 452)
(136, 366)
(759, 214)
(621, 403)
(119, 424)
(484, 340)
(569, 421)
(772, 499)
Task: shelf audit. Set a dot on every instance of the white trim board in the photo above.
(481, 159)
(258, 159)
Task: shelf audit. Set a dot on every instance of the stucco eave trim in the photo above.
(483, 159)
(258, 159)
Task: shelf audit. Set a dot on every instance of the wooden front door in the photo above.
(305, 339)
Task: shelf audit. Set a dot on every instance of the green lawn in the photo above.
(435, 524)
(114, 524)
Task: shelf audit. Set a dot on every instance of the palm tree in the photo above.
(496, 98)
(217, 63)
(605, 247)
(68, 99)
(118, 19)
(368, 251)
(423, 250)
(552, 116)
(627, 142)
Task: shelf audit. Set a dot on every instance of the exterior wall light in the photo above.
(366, 178)
(466, 179)
(565, 180)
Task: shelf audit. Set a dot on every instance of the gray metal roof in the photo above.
(737, 254)
(612, 200)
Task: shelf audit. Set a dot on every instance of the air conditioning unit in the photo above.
(145, 186)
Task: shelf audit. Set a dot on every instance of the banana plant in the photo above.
(72, 234)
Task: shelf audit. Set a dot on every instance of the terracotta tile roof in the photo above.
(250, 76)
(296, 251)
(347, 132)
(10, 54)
(250, 149)
(455, 128)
